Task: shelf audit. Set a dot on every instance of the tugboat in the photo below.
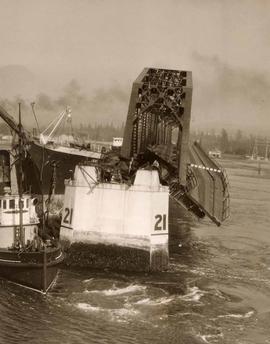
(25, 258)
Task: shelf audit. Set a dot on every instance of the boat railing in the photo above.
(5, 144)
(100, 147)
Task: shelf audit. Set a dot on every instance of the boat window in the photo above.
(22, 203)
(4, 204)
(12, 204)
(27, 203)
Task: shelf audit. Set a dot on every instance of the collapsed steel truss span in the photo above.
(160, 101)
(157, 128)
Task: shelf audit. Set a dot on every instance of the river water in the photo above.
(217, 289)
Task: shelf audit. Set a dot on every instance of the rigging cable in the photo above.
(32, 106)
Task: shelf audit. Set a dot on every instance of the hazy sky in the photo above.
(104, 44)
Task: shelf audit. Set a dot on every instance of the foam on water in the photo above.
(207, 337)
(237, 316)
(194, 294)
(87, 307)
(198, 272)
(118, 291)
(160, 301)
(88, 280)
(125, 314)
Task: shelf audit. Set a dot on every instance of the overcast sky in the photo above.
(106, 43)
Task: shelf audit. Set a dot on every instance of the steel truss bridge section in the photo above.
(160, 102)
(157, 129)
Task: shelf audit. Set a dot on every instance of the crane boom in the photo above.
(11, 122)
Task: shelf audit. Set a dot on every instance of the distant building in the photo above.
(215, 154)
(117, 141)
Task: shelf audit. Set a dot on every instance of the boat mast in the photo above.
(43, 220)
(20, 178)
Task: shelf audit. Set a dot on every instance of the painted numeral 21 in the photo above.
(160, 222)
(68, 216)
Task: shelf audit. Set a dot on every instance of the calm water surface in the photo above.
(217, 289)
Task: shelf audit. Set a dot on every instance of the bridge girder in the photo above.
(160, 101)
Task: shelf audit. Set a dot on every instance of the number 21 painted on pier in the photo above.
(68, 216)
(161, 222)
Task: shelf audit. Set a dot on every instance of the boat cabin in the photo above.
(10, 232)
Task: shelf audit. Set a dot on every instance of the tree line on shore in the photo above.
(238, 143)
(86, 132)
(99, 132)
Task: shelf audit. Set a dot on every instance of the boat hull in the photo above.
(65, 159)
(28, 268)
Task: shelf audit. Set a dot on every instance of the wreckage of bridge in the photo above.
(157, 132)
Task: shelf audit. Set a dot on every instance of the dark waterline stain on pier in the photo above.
(217, 289)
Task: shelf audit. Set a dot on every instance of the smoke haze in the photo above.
(230, 97)
(101, 107)
(103, 46)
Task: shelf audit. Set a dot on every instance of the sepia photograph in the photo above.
(134, 172)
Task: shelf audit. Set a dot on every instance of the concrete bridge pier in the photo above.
(112, 225)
